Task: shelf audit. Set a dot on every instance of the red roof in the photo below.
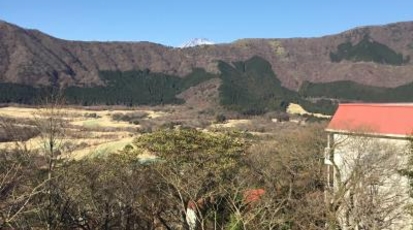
(384, 119)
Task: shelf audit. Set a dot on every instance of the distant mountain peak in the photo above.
(197, 42)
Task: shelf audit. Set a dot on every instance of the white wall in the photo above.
(367, 182)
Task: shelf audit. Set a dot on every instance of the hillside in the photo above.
(32, 57)
(253, 76)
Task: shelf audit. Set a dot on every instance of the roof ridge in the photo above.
(402, 104)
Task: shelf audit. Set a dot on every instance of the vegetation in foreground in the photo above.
(215, 171)
(179, 177)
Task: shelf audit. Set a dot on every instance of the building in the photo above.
(368, 148)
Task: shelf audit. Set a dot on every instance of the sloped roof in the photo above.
(380, 119)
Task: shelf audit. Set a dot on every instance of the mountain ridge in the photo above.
(32, 57)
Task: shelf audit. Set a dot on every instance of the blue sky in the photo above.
(173, 22)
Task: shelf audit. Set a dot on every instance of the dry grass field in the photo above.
(91, 132)
(88, 132)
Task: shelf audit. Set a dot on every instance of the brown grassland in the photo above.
(92, 131)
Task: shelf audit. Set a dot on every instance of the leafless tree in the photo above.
(290, 169)
(368, 190)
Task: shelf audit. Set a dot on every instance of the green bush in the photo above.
(189, 143)
(132, 117)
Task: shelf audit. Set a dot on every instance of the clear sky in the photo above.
(173, 22)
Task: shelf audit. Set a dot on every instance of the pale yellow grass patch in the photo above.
(297, 109)
(103, 121)
(155, 114)
(232, 123)
(101, 148)
(104, 118)
(147, 155)
(18, 112)
(86, 143)
(31, 144)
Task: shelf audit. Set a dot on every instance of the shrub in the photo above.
(282, 116)
(220, 118)
(132, 118)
